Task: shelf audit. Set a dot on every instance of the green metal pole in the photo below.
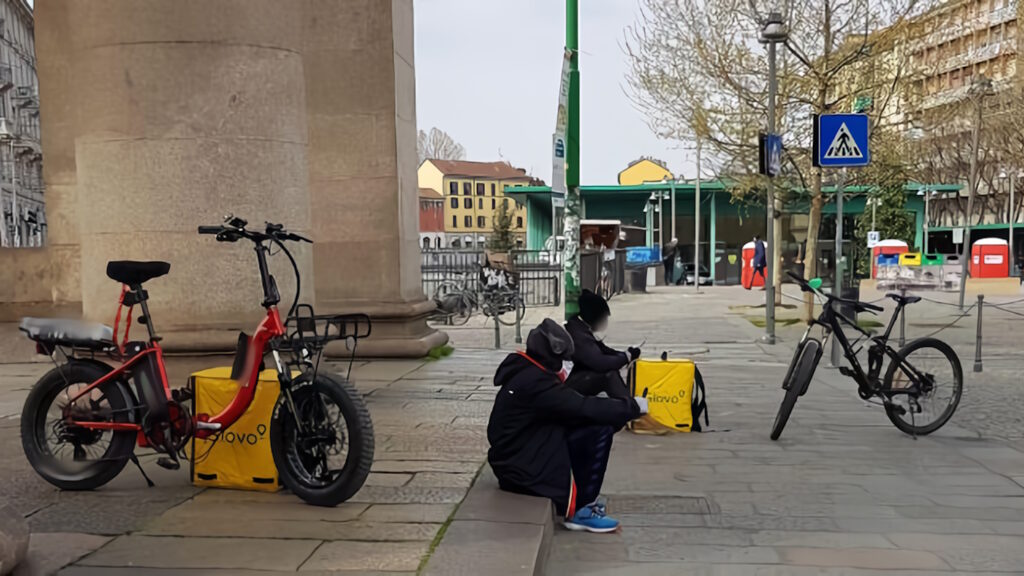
(573, 206)
(714, 237)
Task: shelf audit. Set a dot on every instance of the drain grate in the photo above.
(658, 504)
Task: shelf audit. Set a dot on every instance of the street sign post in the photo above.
(873, 238)
(841, 141)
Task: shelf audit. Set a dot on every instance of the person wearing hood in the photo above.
(595, 365)
(548, 440)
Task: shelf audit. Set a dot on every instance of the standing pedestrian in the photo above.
(668, 259)
(760, 259)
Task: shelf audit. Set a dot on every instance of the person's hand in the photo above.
(642, 403)
(633, 352)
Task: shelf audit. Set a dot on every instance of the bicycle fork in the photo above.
(284, 377)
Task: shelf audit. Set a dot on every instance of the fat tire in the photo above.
(38, 402)
(518, 311)
(800, 374)
(359, 434)
(958, 373)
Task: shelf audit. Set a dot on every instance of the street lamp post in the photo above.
(980, 88)
(696, 224)
(927, 193)
(1011, 217)
(774, 32)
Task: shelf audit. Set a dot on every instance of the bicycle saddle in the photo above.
(902, 299)
(134, 273)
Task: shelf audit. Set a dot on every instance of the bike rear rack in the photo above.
(314, 331)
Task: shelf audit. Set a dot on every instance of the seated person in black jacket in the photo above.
(596, 366)
(548, 440)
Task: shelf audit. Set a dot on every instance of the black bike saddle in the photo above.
(134, 273)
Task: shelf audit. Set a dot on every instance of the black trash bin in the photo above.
(638, 279)
(849, 293)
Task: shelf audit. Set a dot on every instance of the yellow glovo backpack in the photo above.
(675, 396)
(240, 456)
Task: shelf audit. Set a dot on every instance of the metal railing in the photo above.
(539, 272)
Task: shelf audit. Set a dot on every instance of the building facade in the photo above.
(21, 182)
(473, 193)
(644, 170)
(431, 220)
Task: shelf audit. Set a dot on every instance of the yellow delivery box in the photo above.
(240, 456)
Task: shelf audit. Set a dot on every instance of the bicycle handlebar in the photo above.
(805, 286)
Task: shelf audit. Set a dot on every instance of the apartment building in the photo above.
(473, 193)
(23, 221)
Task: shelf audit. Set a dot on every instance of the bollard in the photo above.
(903, 321)
(977, 338)
(497, 333)
(519, 327)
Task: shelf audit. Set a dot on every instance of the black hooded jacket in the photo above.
(532, 413)
(591, 354)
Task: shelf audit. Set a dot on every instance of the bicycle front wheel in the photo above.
(323, 451)
(514, 309)
(799, 377)
(924, 385)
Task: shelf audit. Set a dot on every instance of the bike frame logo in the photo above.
(241, 438)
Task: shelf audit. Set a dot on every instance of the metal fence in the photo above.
(538, 272)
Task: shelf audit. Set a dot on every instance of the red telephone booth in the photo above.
(748, 278)
(990, 258)
(886, 248)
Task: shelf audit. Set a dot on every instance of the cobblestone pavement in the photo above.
(429, 419)
(842, 493)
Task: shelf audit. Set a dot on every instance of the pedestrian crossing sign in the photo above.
(841, 140)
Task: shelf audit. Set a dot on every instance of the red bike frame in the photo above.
(271, 327)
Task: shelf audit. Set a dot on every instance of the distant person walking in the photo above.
(760, 259)
(668, 259)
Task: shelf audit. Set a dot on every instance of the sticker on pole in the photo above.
(874, 237)
(842, 140)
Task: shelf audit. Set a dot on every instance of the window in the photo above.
(468, 220)
(493, 203)
(426, 243)
(493, 187)
(437, 242)
(467, 203)
(455, 221)
(481, 222)
(519, 221)
(480, 204)
(453, 188)
(455, 202)
(467, 189)
(480, 189)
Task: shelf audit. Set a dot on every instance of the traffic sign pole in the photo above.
(837, 286)
(770, 249)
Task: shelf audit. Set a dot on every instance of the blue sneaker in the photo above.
(592, 518)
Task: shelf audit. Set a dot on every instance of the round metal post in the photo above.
(977, 337)
(903, 321)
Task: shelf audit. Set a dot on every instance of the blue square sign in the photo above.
(842, 140)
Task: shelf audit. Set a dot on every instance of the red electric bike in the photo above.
(82, 421)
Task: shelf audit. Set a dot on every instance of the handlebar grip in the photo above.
(211, 229)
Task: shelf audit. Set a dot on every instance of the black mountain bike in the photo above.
(921, 387)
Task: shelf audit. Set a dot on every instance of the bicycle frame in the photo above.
(833, 321)
(269, 328)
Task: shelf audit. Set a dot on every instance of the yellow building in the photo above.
(644, 170)
(473, 193)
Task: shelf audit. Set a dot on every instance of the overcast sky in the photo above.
(487, 72)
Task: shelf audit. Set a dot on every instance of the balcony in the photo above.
(6, 78)
(1002, 15)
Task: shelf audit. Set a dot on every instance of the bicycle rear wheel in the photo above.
(938, 393)
(800, 373)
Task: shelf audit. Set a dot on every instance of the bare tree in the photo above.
(438, 145)
(698, 70)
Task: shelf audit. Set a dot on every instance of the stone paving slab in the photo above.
(134, 551)
(50, 551)
(346, 555)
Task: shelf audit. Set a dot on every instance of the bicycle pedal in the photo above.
(846, 371)
(168, 463)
